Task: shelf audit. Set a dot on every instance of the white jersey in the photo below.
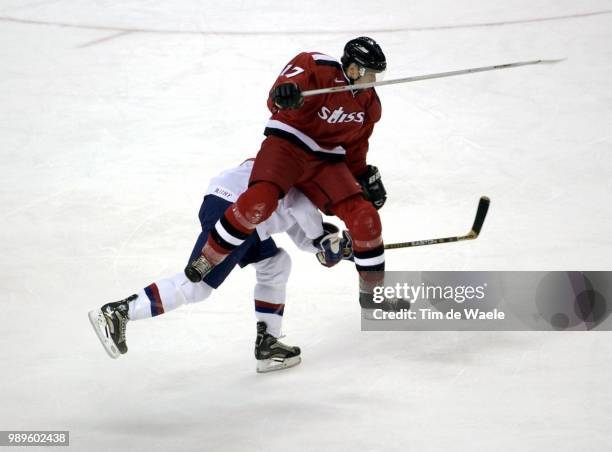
(295, 214)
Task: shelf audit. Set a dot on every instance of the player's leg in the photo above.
(335, 190)
(272, 269)
(272, 276)
(364, 225)
(270, 291)
(164, 295)
(278, 165)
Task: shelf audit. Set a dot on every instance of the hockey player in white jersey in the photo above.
(295, 215)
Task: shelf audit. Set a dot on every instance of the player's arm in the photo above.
(310, 233)
(296, 76)
(301, 240)
(357, 153)
(330, 247)
(368, 176)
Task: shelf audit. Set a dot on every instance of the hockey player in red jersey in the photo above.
(319, 145)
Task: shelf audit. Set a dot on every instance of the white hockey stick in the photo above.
(338, 89)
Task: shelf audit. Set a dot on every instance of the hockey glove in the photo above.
(346, 244)
(329, 246)
(287, 96)
(373, 188)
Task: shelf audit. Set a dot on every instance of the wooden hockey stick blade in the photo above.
(481, 213)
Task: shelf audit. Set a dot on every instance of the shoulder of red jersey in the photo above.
(322, 59)
(316, 60)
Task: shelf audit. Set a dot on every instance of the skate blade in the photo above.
(96, 318)
(270, 365)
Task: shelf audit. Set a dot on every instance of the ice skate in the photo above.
(368, 305)
(272, 354)
(109, 323)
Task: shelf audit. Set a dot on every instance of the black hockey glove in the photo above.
(329, 246)
(287, 96)
(373, 188)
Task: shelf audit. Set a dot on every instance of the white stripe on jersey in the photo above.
(370, 261)
(229, 238)
(312, 144)
(320, 56)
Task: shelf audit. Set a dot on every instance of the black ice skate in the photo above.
(272, 354)
(109, 323)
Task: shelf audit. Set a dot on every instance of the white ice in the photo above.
(110, 128)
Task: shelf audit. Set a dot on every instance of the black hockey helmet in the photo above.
(365, 52)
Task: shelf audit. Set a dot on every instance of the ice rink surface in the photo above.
(114, 115)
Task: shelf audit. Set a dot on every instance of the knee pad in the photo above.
(362, 219)
(258, 202)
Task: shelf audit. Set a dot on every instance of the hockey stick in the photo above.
(339, 89)
(481, 213)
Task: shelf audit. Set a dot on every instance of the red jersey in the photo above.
(335, 126)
